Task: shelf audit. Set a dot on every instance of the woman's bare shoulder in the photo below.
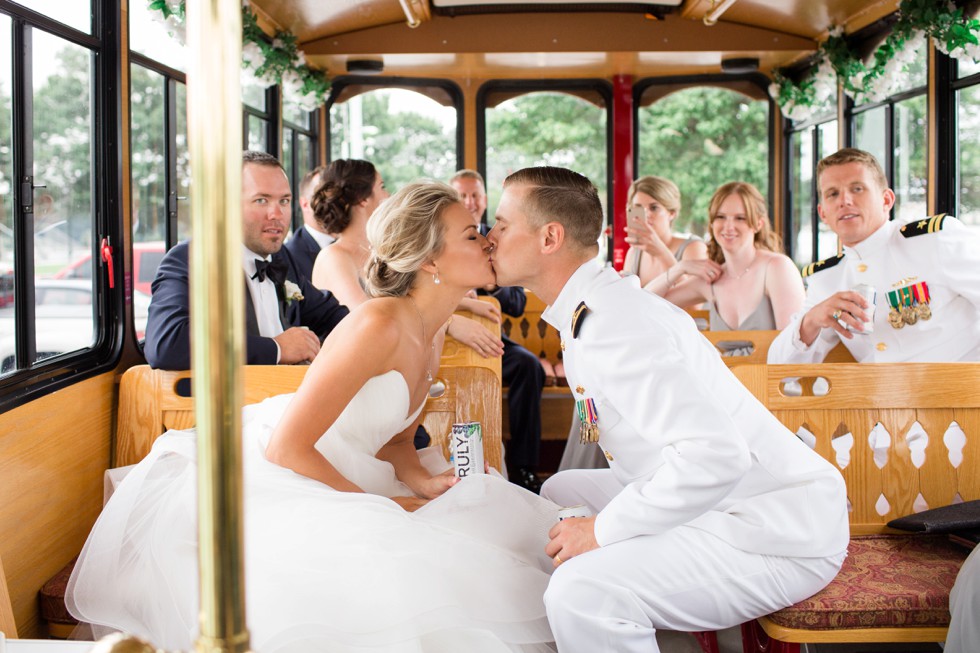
(380, 313)
(696, 248)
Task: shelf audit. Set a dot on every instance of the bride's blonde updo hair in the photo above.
(405, 232)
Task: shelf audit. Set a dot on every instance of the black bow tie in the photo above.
(276, 270)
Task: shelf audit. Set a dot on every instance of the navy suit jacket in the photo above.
(304, 249)
(168, 335)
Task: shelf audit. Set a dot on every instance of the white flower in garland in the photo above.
(292, 84)
(825, 82)
(253, 59)
(969, 52)
(895, 74)
(170, 14)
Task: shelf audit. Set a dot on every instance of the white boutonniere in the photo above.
(291, 291)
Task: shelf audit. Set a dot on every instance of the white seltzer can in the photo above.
(467, 448)
(573, 511)
(869, 295)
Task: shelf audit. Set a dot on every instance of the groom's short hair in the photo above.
(563, 196)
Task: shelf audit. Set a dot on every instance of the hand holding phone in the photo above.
(635, 214)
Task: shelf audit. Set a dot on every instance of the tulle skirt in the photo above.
(324, 570)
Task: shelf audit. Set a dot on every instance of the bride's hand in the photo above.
(436, 485)
(410, 504)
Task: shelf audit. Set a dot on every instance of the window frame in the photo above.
(727, 82)
(41, 377)
(527, 86)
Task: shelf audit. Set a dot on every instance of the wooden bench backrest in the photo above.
(897, 396)
(532, 332)
(701, 317)
(149, 404)
(761, 340)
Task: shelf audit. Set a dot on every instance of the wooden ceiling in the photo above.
(550, 44)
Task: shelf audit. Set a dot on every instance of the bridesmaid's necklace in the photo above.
(747, 268)
(432, 353)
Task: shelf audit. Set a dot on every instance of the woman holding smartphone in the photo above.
(656, 253)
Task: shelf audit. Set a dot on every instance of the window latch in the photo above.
(105, 250)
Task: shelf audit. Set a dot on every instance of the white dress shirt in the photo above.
(264, 296)
(322, 239)
(948, 261)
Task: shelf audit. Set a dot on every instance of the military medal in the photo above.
(908, 311)
(922, 297)
(895, 312)
(588, 418)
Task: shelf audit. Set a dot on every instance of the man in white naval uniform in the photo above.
(930, 267)
(711, 512)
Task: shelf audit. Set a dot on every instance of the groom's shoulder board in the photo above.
(578, 317)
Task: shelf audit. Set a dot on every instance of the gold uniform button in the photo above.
(862, 267)
(881, 346)
(562, 344)
(608, 455)
(580, 390)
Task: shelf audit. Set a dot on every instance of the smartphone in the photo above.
(635, 214)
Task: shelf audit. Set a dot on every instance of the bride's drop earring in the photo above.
(435, 278)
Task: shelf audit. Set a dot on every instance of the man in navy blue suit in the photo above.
(307, 241)
(522, 372)
(286, 318)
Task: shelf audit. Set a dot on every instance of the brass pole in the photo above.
(217, 313)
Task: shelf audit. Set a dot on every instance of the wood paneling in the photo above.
(53, 452)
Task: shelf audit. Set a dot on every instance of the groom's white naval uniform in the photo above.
(711, 513)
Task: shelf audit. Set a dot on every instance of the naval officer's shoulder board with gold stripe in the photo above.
(928, 226)
(825, 264)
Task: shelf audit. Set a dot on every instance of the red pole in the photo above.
(622, 164)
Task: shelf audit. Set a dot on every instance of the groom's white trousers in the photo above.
(616, 597)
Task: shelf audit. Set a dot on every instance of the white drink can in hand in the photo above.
(869, 294)
(467, 448)
(573, 511)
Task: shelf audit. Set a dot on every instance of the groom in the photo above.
(711, 512)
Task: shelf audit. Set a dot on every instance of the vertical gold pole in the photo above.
(217, 313)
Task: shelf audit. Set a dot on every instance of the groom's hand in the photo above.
(571, 537)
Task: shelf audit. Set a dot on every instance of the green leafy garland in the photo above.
(263, 62)
(954, 33)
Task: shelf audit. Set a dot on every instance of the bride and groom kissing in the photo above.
(709, 515)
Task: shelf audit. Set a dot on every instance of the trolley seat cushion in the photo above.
(887, 581)
(52, 597)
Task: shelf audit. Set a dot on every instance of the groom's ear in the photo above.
(552, 237)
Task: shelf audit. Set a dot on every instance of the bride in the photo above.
(353, 541)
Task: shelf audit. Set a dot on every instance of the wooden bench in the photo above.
(152, 401)
(905, 600)
(759, 342)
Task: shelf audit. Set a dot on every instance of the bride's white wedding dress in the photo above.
(326, 570)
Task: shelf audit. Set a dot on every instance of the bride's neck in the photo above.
(435, 305)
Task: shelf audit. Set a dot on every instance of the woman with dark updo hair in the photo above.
(350, 191)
